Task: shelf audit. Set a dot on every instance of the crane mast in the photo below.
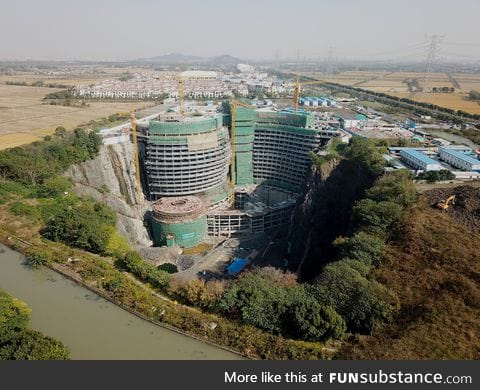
(133, 124)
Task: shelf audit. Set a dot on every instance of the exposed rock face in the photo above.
(110, 178)
(324, 213)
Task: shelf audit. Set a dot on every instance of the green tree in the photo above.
(365, 152)
(257, 301)
(32, 345)
(87, 225)
(60, 131)
(397, 187)
(17, 342)
(375, 217)
(14, 315)
(362, 246)
(361, 302)
(307, 319)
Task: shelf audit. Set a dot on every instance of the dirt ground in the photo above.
(465, 210)
(24, 116)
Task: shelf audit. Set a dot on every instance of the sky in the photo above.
(389, 30)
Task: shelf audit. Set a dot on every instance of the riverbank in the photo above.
(90, 326)
(97, 273)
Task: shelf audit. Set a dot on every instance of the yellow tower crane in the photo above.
(180, 89)
(297, 89)
(133, 125)
(181, 94)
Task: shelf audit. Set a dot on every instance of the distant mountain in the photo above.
(182, 59)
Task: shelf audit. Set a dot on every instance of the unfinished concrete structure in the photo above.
(179, 221)
(187, 156)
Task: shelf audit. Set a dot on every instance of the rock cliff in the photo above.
(110, 178)
(324, 213)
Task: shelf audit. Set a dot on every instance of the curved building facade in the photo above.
(179, 221)
(187, 156)
(281, 149)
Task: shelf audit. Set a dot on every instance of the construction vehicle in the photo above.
(297, 89)
(445, 204)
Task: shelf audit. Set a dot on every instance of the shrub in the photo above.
(361, 302)
(362, 246)
(168, 267)
(375, 217)
(37, 259)
(86, 224)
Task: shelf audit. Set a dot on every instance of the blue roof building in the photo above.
(459, 159)
(419, 160)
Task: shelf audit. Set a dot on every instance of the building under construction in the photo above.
(187, 161)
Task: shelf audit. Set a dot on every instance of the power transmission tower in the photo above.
(433, 48)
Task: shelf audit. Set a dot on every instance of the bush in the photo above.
(54, 187)
(17, 342)
(257, 299)
(24, 210)
(433, 176)
(168, 267)
(375, 217)
(361, 302)
(86, 225)
(396, 187)
(362, 246)
(146, 271)
(37, 259)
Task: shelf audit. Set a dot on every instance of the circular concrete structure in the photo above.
(179, 220)
(190, 156)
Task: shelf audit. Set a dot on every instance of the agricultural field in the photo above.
(393, 83)
(24, 116)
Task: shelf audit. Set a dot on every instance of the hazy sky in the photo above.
(250, 29)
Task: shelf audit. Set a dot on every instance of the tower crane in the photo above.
(297, 88)
(133, 125)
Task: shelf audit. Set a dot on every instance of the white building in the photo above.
(419, 160)
(459, 160)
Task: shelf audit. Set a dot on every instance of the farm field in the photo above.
(24, 118)
(392, 83)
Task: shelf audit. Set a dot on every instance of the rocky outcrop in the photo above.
(324, 213)
(110, 178)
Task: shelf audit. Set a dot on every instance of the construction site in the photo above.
(215, 175)
(224, 174)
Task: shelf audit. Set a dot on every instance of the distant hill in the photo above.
(183, 59)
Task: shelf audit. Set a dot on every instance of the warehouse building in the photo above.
(419, 160)
(459, 159)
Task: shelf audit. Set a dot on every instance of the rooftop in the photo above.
(421, 156)
(461, 156)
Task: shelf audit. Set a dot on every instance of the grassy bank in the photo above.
(100, 274)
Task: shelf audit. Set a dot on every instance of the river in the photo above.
(90, 326)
